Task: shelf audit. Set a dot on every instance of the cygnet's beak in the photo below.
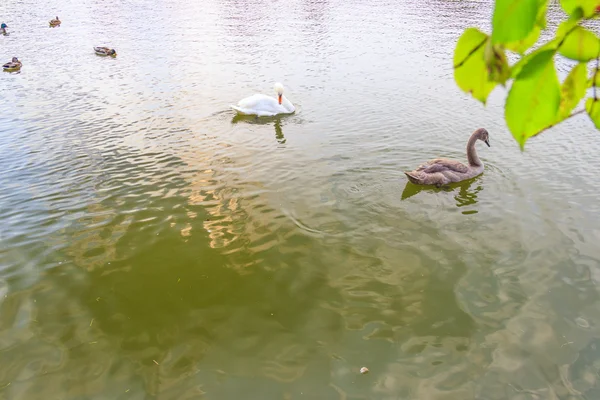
(279, 98)
(487, 141)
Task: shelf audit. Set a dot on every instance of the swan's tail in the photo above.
(240, 110)
(413, 177)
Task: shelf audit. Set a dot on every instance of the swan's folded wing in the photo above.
(440, 165)
(258, 113)
(255, 101)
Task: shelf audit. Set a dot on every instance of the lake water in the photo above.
(153, 246)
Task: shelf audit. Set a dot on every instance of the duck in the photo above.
(105, 51)
(13, 65)
(55, 22)
(442, 171)
(3, 31)
(265, 106)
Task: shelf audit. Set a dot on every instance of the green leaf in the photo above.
(580, 45)
(513, 20)
(534, 97)
(496, 62)
(520, 46)
(587, 6)
(470, 71)
(565, 27)
(472, 38)
(541, 15)
(572, 90)
(592, 106)
(516, 68)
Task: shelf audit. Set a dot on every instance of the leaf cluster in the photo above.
(537, 100)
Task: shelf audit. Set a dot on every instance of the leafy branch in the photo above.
(536, 100)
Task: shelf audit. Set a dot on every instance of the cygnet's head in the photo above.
(483, 135)
(279, 89)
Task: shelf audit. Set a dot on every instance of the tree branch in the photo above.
(594, 77)
(557, 122)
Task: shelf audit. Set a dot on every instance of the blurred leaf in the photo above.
(580, 44)
(541, 15)
(592, 106)
(566, 26)
(520, 46)
(496, 62)
(587, 6)
(470, 40)
(534, 97)
(516, 68)
(513, 20)
(470, 71)
(572, 90)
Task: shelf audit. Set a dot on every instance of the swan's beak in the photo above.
(282, 96)
(487, 142)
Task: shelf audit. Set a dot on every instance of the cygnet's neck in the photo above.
(471, 153)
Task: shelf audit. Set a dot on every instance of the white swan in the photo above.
(265, 106)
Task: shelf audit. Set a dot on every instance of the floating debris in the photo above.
(92, 321)
(364, 370)
(155, 362)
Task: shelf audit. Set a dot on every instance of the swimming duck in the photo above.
(262, 105)
(13, 65)
(3, 29)
(442, 171)
(55, 22)
(105, 51)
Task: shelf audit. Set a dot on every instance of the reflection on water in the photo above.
(467, 196)
(275, 121)
(279, 132)
(154, 245)
(466, 192)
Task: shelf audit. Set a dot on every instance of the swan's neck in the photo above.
(471, 153)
